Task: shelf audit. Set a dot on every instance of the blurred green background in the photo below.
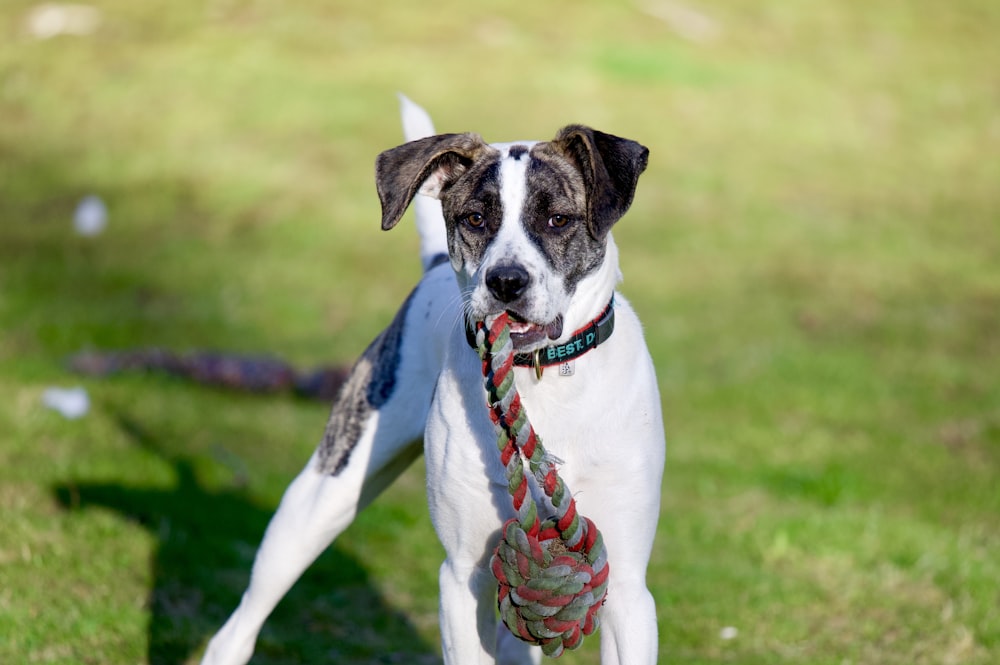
(814, 251)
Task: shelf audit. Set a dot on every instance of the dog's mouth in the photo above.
(524, 333)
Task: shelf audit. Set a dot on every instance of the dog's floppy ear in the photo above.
(610, 166)
(427, 166)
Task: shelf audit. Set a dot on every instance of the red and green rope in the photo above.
(552, 574)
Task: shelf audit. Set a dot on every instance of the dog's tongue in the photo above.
(552, 330)
(520, 327)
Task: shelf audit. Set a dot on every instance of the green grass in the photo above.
(814, 251)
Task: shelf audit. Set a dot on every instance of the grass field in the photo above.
(814, 250)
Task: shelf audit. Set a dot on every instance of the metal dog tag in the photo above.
(567, 368)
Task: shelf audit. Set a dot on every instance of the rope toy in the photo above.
(552, 574)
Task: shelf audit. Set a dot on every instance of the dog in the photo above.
(522, 228)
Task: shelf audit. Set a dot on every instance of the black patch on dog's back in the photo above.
(370, 385)
(436, 260)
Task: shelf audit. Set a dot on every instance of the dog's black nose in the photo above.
(507, 283)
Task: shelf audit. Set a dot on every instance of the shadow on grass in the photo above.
(206, 540)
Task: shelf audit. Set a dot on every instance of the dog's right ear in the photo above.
(610, 166)
(425, 166)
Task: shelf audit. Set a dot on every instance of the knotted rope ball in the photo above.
(552, 574)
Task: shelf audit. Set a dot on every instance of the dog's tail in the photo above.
(417, 124)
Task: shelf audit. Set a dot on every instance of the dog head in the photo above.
(527, 223)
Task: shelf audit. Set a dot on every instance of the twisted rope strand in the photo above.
(552, 574)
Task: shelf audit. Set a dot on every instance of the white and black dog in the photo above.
(525, 228)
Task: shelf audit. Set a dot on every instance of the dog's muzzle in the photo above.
(507, 283)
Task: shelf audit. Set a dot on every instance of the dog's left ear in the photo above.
(427, 166)
(610, 166)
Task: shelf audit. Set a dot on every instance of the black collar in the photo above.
(586, 338)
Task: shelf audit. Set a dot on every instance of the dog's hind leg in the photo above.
(374, 432)
(315, 509)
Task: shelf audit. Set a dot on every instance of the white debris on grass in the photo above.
(90, 216)
(728, 633)
(72, 403)
(685, 20)
(51, 19)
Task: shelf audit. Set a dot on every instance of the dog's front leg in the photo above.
(467, 614)
(512, 650)
(466, 490)
(628, 623)
(467, 592)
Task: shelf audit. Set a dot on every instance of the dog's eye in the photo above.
(558, 221)
(473, 220)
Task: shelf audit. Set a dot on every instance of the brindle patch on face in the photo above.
(477, 191)
(517, 151)
(369, 386)
(555, 187)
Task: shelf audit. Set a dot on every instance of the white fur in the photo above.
(417, 124)
(603, 422)
(547, 297)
